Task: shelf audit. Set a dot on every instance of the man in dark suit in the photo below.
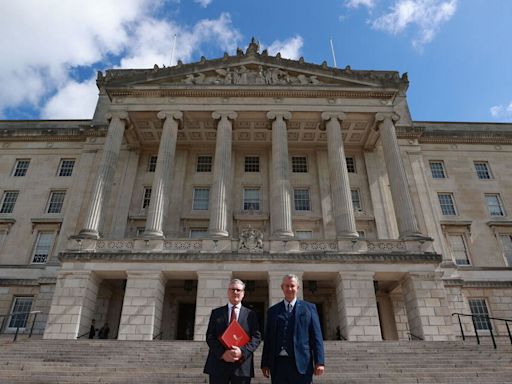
(233, 365)
(293, 348)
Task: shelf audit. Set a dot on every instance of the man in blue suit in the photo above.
(293, 348)
(232, 365)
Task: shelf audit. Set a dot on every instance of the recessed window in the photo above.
(459, 249)
(251, 199)
(204, 164)
(152, 163)
(351, 165)
(299, 164)
(66, 167)
(356, 200)
(252, 164)
(494, 205)
(201, 199)
(146, 198)
(482, 170)
(437, 170)
(506, 244)
(304, 235)
(198, 233)
(479, 307)
(56, 201)
(19, 312)
(301, 199)
(42, 248)
(8, 201)
(21, 167)
(447, 204)
(140, 231)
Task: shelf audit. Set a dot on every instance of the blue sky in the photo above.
(457, 53)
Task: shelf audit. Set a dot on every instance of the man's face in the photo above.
(290, 287)
(235, 293)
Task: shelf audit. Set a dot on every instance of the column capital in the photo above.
(382, 116)
(279, 114)
(176, 115)
(334, 115)
(121, 115)
(224, 115)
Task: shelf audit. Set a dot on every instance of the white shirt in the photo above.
(291, 302)
(237, 311)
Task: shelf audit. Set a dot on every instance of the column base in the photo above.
(218, 233)
(88, 234)
(153, 234)
(347, 235)
(283, 235)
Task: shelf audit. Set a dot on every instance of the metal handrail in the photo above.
(412, 336)
(158, 336)
(489, 325)
(15, 315)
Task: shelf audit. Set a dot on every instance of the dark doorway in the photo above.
(259, 308)
(186, 320)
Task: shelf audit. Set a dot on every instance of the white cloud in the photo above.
(502, 111)
(359, 3)
(203, 3)
(426, 15)
(290, 48)
(73, 101)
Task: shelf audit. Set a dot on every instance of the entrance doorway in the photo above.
(259, 308)
(186, 320)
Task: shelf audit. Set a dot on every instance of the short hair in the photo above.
(237, 281)
(291, 276)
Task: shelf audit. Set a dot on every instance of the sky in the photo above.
(457, 53)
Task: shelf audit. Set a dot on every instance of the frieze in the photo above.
(386, 246)
(183, 245)
(115, 245)
(318, 246)
(25, 282)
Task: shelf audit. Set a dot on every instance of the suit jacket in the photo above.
(308, 343)
(216, 327)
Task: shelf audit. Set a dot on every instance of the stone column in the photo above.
(427, 308)
(340, 185)
(103, 183)
(281, 198)
(73, 305)
(357, 307)
(141, 317)
(162, 181)
(212, 289)
(275, 279)
(220, 199)
(406, 219)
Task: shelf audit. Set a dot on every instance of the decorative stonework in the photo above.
(251, 240)
(386, 246)
(318, 246)
(182, 245)
(115, 245)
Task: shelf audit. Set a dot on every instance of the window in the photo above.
(20, 312)
(3, 235)
(301, 199)
(437, 170)
(56, 201)
(66, 167)
(140, 231)
(152, 163)
(42, 248)
(479, 307)
(459, 249)
(252, 164)
(201, 199)
(506, 243)
(204, 164)
(304, 235)
(482, 170)
(494, 206)
(356, 200)
(447, 204)
(8, 200)
(351, 165)
(299, 164)
(251, 199)
(198, 233)
(21, 168)
(146, 198)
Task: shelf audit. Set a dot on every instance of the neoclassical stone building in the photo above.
(254, 166)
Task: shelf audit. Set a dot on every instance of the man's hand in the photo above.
(266, 372)
(319, 370)
(232, 355)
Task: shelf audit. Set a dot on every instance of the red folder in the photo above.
(234, 335)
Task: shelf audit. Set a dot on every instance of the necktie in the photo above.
(233, 314)
(290, 308)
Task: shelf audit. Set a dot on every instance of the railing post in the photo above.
(508, 330)
(33, 323)
(490, 330)
(17, 328)
(476, 331)
(461, 328)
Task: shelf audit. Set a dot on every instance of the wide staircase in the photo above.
(105, 361)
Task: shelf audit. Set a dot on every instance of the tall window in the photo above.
(19, 312)
(201, 199)
(56, 201)
(301, 199)
(252, 164)
(459, 249)
(437, 170)
(494, 205)
(506, 243)
(204, 164)
(482, 170)
(8, 201)
(356, 200)
(479, 307)
(251, 199)
(21, 167)
(43, 247)
(299, 164)
(447, 204)
(66, 167)
(152, 163)
(146, 198)
(351, 165)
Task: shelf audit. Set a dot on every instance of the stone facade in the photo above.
(253, 166)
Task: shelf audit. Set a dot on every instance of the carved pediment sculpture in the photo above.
(251, 240)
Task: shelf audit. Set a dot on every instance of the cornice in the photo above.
(478, 284)
(27, 133)
(450, 133)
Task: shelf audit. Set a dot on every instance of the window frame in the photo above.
(9, 204)
(351, 165)
(452, 203)
(208, 166)
(299, 167)
(438, 173)
(52, 204)
(152, 160)
(146, 197)
(498, 205)
(453, 251)
(479, 321)
(8, 326)
(304, 231)
(36, 245)
(483, 172)
(359, 208)
(19, 171)
(66, 171)
(246, 202)
(195, 199)
(248, 164)
(202, 230)
(296, 199)
(506, 251)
